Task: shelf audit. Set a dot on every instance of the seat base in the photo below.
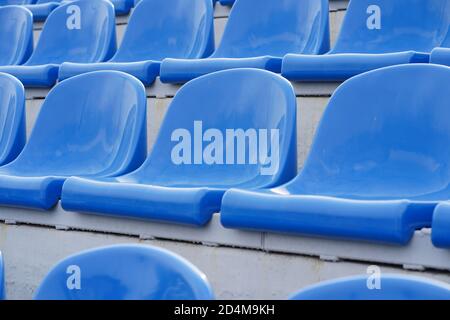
(440, 56)
(390, 221)
(440, 235)
(34, 76)
(192, 206)
(184, 70)
(30, 192)
(146, 71)
(123, 7)
(340, 67)
(42, 10)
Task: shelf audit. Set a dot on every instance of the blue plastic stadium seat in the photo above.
(179, 182)
(376, 34)
(440, 232)
(90, 125)
(258, 34)
(81, 31)
(125, 272)
(2, 278)
(440, 56)
(12, 118)
(156, 30)
(387, 287)
(16, 35)
(377, 167)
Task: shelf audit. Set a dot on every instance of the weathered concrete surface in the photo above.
(30, 252)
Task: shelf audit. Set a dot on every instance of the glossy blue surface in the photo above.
(16, 35)
(258, 34)
(100, 131)
(440, 56)
(227, 2)
(376, 169)
(2, 279)
(157, 30)
(125, 272)
(12, 118)
(440, 232)
(190, 193)
(122, 7)
(392, 287)
(15, 2)
(42, 8)
(376, 34)
(95, 41)
(137, 1)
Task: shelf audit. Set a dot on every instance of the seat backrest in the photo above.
(229, 128)
(12, 118)
(275, 28)
(168, 29)
(16, 35)
(382, 26)
(2, 278)
(385, 287)
(79, 31)
(92, 124)
(388, 130)
(124, 272)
